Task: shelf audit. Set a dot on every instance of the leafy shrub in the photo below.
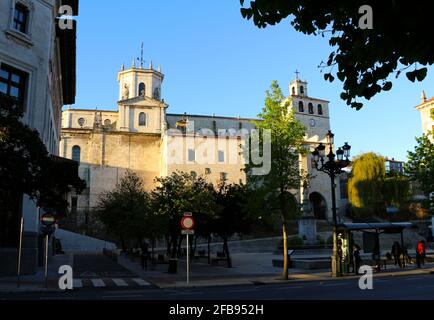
(295, 241)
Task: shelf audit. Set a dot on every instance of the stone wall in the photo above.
(76, 243)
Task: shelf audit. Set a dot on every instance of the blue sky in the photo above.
(214, 61)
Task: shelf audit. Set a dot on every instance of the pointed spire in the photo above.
(159, 68)
(151, 67)
(134, 63)
(423, 96)
(123, 67)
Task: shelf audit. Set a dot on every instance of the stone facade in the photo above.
(31, 47)
(426, 109)
(143, 137)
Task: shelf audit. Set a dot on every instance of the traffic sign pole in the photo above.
(20, 250)
(188, 260)
(187, 225)
(46, 261)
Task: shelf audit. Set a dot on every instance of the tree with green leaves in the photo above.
(363, 59)
(125, 211)
(420, 167)
(371, 189)
(275, 189)
(177, 194)
(365, 185)
(27, 168)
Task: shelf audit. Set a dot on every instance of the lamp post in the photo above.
(332, 164)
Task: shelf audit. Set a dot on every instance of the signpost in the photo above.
(187, 225)
(48, 220)
(20, 249)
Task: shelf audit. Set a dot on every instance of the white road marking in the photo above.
(98, 283)
(77, 283)
(141, 282)
(120, 282)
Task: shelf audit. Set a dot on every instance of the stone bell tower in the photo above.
(141, 108)
(139, 81)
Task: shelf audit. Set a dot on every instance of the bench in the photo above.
(220, 256)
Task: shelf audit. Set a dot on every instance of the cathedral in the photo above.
(144, 137)
(426, 109)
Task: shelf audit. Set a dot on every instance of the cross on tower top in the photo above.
(297, 73)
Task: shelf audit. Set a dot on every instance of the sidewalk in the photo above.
(36, 282)
(249, 269)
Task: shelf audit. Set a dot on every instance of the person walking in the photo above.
(420, 253)
(356, 258)
(396, 252)
(144, 255)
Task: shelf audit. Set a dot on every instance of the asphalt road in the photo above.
(419, 287)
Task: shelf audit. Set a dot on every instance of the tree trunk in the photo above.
(179, 250)
(285, 252)
(193, 248)
(174, 246)
(168, 245)
(226, 251)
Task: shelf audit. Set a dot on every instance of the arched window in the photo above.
(107, 122)
(142, 89)
(142, 119)
(320, 111)
(301, 90)
(76, 153)
(293, 91)
(311, 108)
(300, 106)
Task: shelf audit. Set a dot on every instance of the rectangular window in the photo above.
(221, 156)
(21, 15)
(191, 155)
(223, 176)
(13, 82)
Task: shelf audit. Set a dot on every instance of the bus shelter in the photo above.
(371, 239)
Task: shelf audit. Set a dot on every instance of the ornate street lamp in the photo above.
(332, 165)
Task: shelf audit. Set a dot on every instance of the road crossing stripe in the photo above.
(77, 283)
(141, 282)
(98, 283)
(120, 282)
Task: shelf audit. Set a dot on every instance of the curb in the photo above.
(277, 281)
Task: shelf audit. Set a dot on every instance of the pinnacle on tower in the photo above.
(123, 67)
(151, 66)
(159, 68)
(134, 63)
(423, 96)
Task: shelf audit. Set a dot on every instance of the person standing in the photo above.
(396, 252)
(144, 255)
(356, 258)
(420, 253)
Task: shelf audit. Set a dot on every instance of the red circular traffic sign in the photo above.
(48, 219)
(187, 223)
